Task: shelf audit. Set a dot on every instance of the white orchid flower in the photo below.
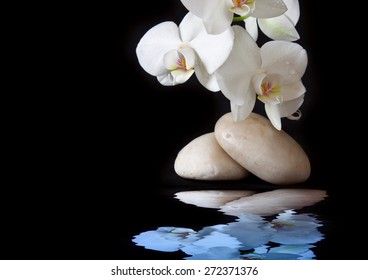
(273, 73)
(278, 81)
(281, 27)
(173, 53)
(218, 15)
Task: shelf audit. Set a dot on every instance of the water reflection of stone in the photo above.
(271, 229)
(237, 203)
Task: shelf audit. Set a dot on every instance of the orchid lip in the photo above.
(243, 7)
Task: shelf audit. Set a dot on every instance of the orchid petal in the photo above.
(293, 11)
(189, 56)
(219, 22)
(181, 63)
(234, 76)
(181, 76)
(284, 58)
(290, 107)
(170, 60)
(292, 91)
(213, 50)
(215, 14)
(273, 115)
(279, 28)
(257, 81)
(252, 27)
(242, 8)
(190, 27)
(166, 79)
(203, 8)
(241, 112)
(154, 44)
(269, 8)
(207, 80)
(269, 91)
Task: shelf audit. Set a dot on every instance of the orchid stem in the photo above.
(237, 19)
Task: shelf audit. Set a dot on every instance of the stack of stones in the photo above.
(235, 150)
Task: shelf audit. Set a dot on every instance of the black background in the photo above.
(92, 138)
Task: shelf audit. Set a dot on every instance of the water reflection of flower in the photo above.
(165, 239)
(282, 252)
(296, 229)
(288, 236)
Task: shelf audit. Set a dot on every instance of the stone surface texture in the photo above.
(204, 159)
(266, 152)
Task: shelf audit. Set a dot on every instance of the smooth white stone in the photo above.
(273, 202)
(204, 159)
(211, 198)
(270, 154)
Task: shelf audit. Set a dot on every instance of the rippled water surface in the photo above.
(251, 225)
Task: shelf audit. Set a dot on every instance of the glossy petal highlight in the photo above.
(269, 8)
(279, 28)
(284, 58)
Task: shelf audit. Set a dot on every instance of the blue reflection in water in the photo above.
(288, 235)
